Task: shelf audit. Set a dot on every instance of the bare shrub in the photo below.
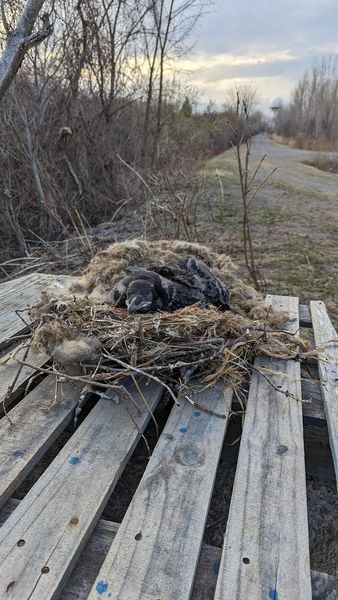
(89, 93)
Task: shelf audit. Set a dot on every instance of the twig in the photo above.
(140, 372)
(11, 386)
(205, 409)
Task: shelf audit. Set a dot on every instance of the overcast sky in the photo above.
(269, 43)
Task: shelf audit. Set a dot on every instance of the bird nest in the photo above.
(85, 331)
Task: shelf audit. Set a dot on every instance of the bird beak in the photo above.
(137, 306)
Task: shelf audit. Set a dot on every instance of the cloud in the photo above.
(268, 44)
(264, 25)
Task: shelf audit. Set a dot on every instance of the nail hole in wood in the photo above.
(246, 560)
(45, 570)
(138, 536)
(21, 543)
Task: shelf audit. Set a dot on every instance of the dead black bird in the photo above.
(163, 288)
(141, 292)
(198, 275)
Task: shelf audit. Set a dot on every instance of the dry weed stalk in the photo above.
(248, 184)
(174, 215)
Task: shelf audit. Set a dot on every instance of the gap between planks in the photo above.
(326, 339)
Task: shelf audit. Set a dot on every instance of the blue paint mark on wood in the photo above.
(101, 586)
(74, 460)
(273, 594)
(215, 567)
(197, 413)
(183, 429)
(18, 453)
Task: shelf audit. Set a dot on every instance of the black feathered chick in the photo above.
(163, 288)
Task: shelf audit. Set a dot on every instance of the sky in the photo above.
(267, 43)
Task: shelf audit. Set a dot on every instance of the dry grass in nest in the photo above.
(191, 344)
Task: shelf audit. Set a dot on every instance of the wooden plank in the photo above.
(18, 295)
(9, 368)
(325, 333)
(21, 293)
(155, 552)
(58, 514)
(266, 548)
(304, 316)
(34, 428)
(83, 576)
(14, 295)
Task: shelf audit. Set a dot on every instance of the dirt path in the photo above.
(294, 220)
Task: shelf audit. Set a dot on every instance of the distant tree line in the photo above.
(312, 114)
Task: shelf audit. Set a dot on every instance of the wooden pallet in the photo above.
(53, 542)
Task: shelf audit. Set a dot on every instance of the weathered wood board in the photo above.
(34, 427)
(155, 552)
(266, 550)
(327, 338)
(42, 539)
(21, 293)
(9, 368)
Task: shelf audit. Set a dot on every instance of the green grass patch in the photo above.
(269, 216)
(292, 190)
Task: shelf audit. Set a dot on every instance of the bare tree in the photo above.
(312, 115)
(20, 39)
(248, 95)
(166, 35)
(242, 138)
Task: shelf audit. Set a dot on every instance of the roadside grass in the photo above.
(323, 163)
(294, 191)
(292, 262)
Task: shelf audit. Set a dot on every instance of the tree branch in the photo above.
(20, 40)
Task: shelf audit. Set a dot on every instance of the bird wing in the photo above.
(215, 291)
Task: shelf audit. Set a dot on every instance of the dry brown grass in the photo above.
(324, 163)
(302, 142)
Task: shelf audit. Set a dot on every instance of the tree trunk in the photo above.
(21, 40)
